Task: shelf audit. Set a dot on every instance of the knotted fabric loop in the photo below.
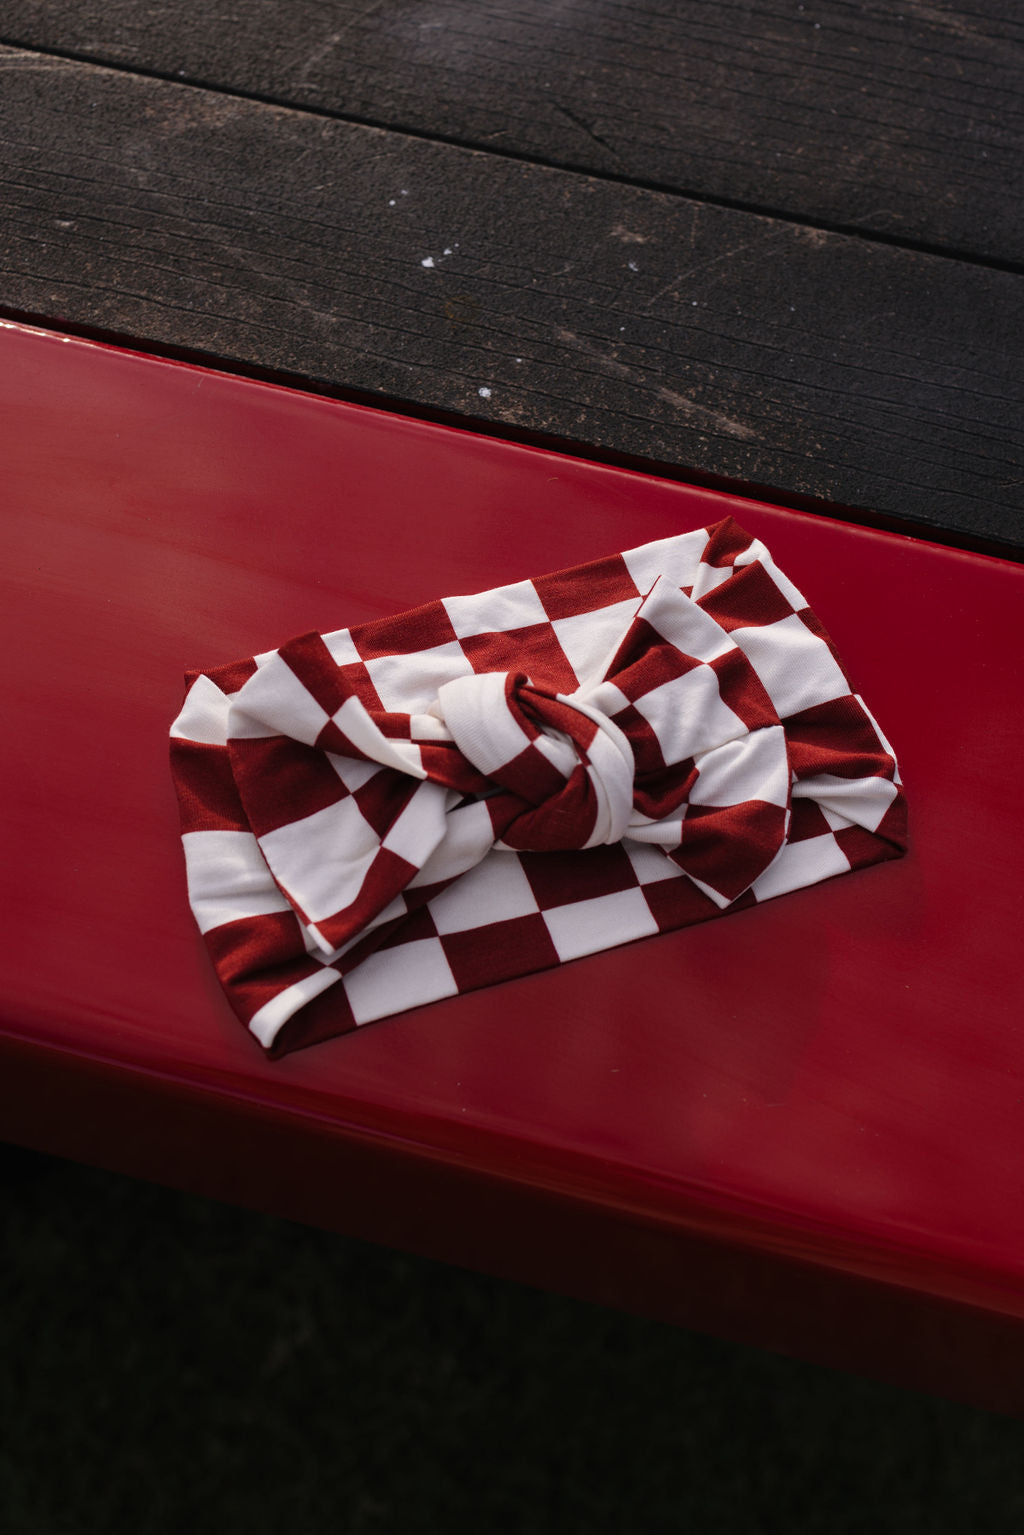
(492, 784)
(569, 762)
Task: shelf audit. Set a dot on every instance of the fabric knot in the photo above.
(563, 771)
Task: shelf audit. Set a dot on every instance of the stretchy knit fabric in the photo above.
(490, 785)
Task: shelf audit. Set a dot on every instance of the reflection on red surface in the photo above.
(835, 1077)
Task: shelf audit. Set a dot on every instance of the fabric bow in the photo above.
(338, 792)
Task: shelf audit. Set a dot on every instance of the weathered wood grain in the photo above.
(904, 119)
(714, 340)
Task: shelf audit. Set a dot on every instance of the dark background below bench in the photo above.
(172, 1364)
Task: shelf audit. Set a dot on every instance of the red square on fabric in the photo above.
(643, 739)
(418, 924)
(660, 791)
(748, 599)
(499, 951)
(677, 902)
(265, 943)
(742, 689)
(727, 848)
(864, 847)
(420, 629)
(560, 878)
(317, 670)
(331, 739)
(534, 650)
(637, 643)
(259, 957)
(893, 826)
(211, 802)
(275, 774)
(228, 678)
(597, 585)
(646, 661)
(727, 540)
(807, 820)
(356, 679)
(532, 777)
(394, 726)
(383, 798)
(444, 763)
(836, 737)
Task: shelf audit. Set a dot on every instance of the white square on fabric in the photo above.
(228, 878)
(650, 864)
(342, 648)
(420, 826)
(322, 860)
(590, 640)
(676, 559)
(469, 834)
(355, 722)
(427, 727)
(495, 891)
(509, 607)
(274, 702)
(795, 666)
(408, 684)
(605, 696)
(586, 927)
(204, 715)
(352, 772)
(394, 979)
(799, 864)
(686, 626)
(856, 801)
(688, 714)
(709, 578)
(755, 766)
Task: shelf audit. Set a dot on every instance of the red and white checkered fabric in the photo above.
(490, 785)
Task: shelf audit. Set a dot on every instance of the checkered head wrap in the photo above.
(490, 785)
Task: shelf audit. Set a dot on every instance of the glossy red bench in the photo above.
(800, 1126)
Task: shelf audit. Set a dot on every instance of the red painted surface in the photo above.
(829, 1086)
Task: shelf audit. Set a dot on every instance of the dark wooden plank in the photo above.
(906, 119)
(721, 342)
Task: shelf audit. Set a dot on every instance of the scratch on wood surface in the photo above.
(680, 402)
(332, 40)
(585, 128)
(319, 52)
(703, 267)
(955, 24)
